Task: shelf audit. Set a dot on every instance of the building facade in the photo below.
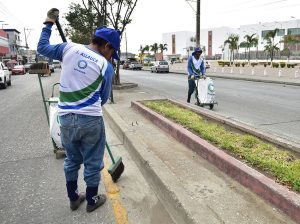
(4, 44)
(14, 43)
(212, 40)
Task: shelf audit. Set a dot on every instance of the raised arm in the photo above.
(44, 47)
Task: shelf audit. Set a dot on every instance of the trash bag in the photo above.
(206, 91)
(54, 124)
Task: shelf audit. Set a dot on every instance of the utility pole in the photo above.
(26, 44)
(126, 44)
(198, 24)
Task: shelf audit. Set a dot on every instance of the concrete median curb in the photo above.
(166, 186)
(278, 195)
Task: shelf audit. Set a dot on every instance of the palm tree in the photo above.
(204, 49)
(271, 46)
(289, 40)
(244, 44)
(154, 48)
(162, 48)
(222, 48)
(232, 41)
(251, 41)
(142, 52)
(147, 48)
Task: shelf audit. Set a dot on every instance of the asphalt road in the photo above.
(274, 108)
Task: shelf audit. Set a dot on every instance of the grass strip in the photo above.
(281, 164)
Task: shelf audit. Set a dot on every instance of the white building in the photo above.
(182, 42)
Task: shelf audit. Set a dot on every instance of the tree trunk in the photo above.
(116, 80)
(249, 54)
(272, 53)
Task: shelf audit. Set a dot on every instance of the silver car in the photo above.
(160, 66)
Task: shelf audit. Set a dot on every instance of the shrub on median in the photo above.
(282, 64)
(253, 64)
(289, 65)
(283, 165)
(148, 64)
(224, 63)
(275, 65)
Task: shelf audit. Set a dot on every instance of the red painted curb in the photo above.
(280, 196)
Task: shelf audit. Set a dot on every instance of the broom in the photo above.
(117, 167)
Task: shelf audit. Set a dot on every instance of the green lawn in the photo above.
(279, 163)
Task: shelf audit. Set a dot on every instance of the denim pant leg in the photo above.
(92, 135)
(192, 86)
(71, 144)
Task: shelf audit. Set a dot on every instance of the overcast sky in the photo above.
(151, 18)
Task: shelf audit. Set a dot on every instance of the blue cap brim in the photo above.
(116, 56)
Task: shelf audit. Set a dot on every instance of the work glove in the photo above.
(204, 76)
(192, 77)
(52, 16)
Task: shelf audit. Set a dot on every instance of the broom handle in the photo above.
(62, 35)
(109, 152)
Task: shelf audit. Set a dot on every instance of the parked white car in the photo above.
(160, 66)
(5, 76)
(135, 65)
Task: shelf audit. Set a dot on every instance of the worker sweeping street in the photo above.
(85, 86)
(195, 70)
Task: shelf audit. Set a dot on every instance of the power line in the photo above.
(188, 2)
(9, 14)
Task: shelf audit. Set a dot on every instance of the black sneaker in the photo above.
(74, 205)
(99, 200)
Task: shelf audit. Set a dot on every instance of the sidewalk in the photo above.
(190, 188)
(32, 182)
(256, 74)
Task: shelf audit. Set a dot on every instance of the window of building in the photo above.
(281, 32)
(293, 31)
(264, 33)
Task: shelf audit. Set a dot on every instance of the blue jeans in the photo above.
(83, 138)
(192, 86)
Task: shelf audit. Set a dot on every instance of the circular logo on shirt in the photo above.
(82, 64)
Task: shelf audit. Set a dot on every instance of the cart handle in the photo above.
(52, 95)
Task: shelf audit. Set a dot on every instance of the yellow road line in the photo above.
(113, 194)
